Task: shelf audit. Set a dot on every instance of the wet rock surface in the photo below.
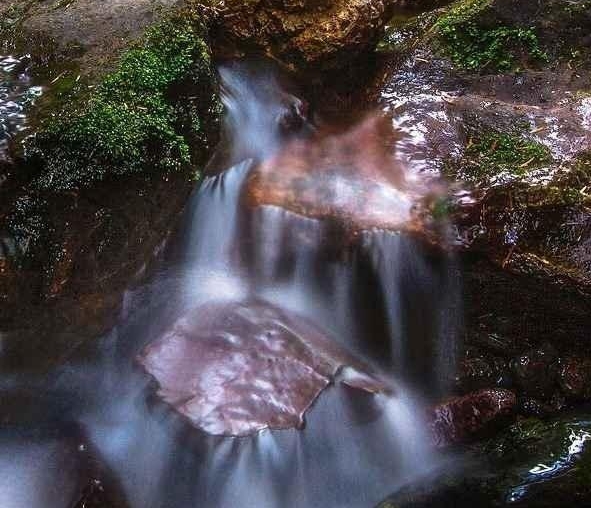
(351, 179)
(517, 139)
(68, 252)
(80, 257)
(512, 135)
(238, 368)
(83, 31)
(533, 463)
(17, 94)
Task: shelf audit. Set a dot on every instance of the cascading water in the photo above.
(283, 350)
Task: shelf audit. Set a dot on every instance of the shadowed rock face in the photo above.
(235, 369)
(350, 178)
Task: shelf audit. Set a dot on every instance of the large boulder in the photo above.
(123, 126)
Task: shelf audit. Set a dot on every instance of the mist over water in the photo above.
(300, 319)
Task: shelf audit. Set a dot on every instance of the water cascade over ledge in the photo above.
(283, 354)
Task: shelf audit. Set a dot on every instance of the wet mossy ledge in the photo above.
(152, 114)
(490, 153)
(466, 35)
(498, 36)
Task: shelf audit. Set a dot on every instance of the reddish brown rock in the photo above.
(237, 368)
(351, 178)
(326, 32)
(460, 418)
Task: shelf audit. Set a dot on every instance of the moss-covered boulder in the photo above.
(134, 120)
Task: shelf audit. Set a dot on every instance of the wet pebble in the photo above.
(461, 418)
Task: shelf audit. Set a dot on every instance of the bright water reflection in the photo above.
(17, 94)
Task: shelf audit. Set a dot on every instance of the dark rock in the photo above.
(464, 417)
(575, 378)
(530, 406)
(477, 372)
(535, 372)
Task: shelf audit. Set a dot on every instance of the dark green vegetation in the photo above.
(490, 153)
(477, 46)
(139, 118)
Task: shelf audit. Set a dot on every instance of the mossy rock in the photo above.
(135, 120)
(489, 153)
(475, 39)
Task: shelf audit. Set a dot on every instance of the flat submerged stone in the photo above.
(238, 368)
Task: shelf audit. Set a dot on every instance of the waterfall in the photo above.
(279, 358)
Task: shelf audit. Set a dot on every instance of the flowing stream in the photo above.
(268, 363)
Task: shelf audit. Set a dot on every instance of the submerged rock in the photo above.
(238, 368)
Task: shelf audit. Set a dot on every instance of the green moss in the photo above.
(490, 153)
(129, 123)
(441, 208)
(474, 46)
(575, 186)
(462, 11)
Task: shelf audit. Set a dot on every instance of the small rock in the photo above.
(460, 418)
